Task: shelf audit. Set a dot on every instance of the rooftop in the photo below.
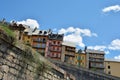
(94, 51)
(56, 36)
(112, 60)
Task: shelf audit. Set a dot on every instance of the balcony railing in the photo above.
(37, 40)
(97, 66)
(70, 54)
(95, 60)
(38, 47)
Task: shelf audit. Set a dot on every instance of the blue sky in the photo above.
(94, 23)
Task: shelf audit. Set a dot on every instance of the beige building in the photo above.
(68, 52)
(112, 67)
(95, 60)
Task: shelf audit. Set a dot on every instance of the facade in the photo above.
(27, 36)
(80, 59)
(54, 46)
(68, 52)
(95, 60)
(18, 30)
(37, 39)
(112, 67)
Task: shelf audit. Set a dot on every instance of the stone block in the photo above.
(1, 75)
(30, 68)
(10, 58)
(1, 54)
(4, 68)
(12, 54)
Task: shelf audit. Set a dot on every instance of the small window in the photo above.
(54, 42)
(45, 32)
(108, 67)
(28, 37)
(40, 32)
(58, 43)
(109, 72)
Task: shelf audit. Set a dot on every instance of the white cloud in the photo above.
(76, 35)
(75, 39)
(30, 22)
(77, 31)
(97, 47)
(114, 8)
(107, 52)
(117, 57)
(115, 45)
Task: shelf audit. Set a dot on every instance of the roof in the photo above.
(71, 44)
(41, 32)
(112, 60)
(56, 36)
(94, 51)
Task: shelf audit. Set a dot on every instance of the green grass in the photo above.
(7, 30)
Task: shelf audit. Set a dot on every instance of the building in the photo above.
(37, 39)
(18, 30)
(112, 67)
(80, 58)
(54, 46)
(95, 60)
(27, 36)
(68, 52)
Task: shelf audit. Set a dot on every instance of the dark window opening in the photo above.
(109, 72)
(108, 67)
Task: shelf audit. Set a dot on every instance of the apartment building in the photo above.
(68, 52)
(54, 46)
(95, 60)
(39, 41)
(112, 67)
(80, 58)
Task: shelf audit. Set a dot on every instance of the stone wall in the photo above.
(84, 74)
(14, 66)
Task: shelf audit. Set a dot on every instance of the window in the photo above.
(58, 43)
(43, 45)
(44, 40)
(38, 45)
(109, 72)
(108, 67)
(28, 37)
(54, 42)
(57, 48)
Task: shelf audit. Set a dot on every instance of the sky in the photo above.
(91, 23)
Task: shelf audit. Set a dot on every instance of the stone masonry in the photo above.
(13, 66)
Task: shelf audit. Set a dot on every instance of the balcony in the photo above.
(70, 49)
(97, 65)
(96, 60)
(70, 54)
(53, 50)
(96, 56)
(38, 40)
(38, 47)
(55, 44)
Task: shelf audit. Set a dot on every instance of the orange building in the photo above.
(37, 39)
